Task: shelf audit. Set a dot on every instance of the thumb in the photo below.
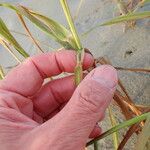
(71, 128)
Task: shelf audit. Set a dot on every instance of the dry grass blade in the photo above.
(133, 69)
(143, 142)
(128, 134)
(120, 100)
(29, 33)
(6, 36)
(7, 47)
(38, 41)
(1, 73)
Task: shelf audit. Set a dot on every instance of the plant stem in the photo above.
(113, 123)
(120, 126)
(95, 145)
(71, 24)
(1, 73)
(134, 69)
(80, 51)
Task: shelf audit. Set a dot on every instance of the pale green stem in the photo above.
(1, 73)
(71, 24)
(80, 51)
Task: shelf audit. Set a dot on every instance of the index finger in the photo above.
(27, 78)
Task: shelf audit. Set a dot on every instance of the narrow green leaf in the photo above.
(120, 19)
(63, 35)
(128, 17)
(71, 24)
(53, 29)
(120, 126)
(143, 142)
(7, 36)
(1, 73)
(80, 51)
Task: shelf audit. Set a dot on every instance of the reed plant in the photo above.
(68, 38)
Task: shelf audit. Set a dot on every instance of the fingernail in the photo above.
(106, 75)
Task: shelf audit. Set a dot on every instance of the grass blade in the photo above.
(71, 24)
(1, 73)
(120, 126)
(80, 51)
(6, 36)
(7, 47)
(134, 69)
(53, 29)
(120, 19)
(29, 33)
(128, 17)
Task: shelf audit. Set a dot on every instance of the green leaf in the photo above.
(120, 126)
(128, 17)
(120, 19)
(55, 30)
(6, 36)
(1, 73)
(71, 24)
(80, 51)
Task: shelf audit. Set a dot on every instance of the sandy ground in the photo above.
(108, 41)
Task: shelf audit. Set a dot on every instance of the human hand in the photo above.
(70, 114)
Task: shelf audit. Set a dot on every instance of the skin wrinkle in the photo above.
(92, 90)
(54, 95)
(42, 74)
(59, 63)
(16, 102)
